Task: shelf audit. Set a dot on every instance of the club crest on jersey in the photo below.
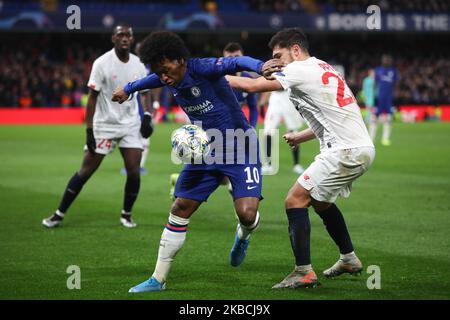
(196, 92)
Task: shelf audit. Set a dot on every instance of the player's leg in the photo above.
(271, 122)
(247, 212)
(373, 124)
(89, 165)
(296, 204)
(246, 181)
(337, 229)
(172, 240)
(146, 145)
(340, 169)
(298, 169)
(293, 122)
(192, 188)
(387, 128)
(131, 158)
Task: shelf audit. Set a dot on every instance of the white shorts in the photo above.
(332, 172)
(281, 108)
(107, 139)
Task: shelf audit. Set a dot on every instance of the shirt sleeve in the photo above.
(96, 78)
(290, 77)
(150, 82)
(217, 67)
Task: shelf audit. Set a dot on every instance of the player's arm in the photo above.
(295, 138)
(90, 111)
(146, 123)
(217, 67)
(252, 103)
(254, 85)
(121, 95)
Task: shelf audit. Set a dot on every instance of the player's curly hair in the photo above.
(288, 37)
(160, 45)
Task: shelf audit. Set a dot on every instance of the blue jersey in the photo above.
(385, 78)
(251, 99)
(206, 96)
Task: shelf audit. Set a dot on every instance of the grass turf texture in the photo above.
(398, 216)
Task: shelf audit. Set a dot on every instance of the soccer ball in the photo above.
(190, 143)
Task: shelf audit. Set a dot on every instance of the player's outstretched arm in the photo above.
(121, 95)
(295, 138)
(218, 67)
(253, 85)
(90, 111)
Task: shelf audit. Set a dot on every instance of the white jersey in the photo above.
(321, 96)
(108, 72)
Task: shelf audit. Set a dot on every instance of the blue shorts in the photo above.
(384, 104)
(198, 182)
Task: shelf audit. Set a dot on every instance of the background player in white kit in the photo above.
(279, 108)
(110, 124)
(326, 103)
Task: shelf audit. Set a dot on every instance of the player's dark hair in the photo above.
(121, 24)
(288, 37)
(233, 47)
(160, 45)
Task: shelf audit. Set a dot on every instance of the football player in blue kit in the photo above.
(232, 49)
(200, 88)
(386, 77)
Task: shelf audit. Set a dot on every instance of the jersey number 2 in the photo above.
(342, 102)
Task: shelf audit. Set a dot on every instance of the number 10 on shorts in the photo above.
(252, 175)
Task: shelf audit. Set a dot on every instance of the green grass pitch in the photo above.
(398, 216)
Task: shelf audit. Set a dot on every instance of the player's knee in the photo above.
(182, 208)
(133, 173)
(247, 215)
(298, 200)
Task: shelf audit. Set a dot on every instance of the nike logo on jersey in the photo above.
(251, 187)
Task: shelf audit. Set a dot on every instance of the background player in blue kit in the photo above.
(234, 49)
(200, 88)
(386, 76)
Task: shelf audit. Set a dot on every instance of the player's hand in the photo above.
(90, 140)
(146, 125)
(271, 66)
(291, 139)
(119, 95)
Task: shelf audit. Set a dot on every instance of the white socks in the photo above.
(303, 269)
(146, 143)
(172, 239)
(347, 256)
(245, 232)
(386, 127)
(373, 124)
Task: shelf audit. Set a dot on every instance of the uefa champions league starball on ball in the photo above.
(190, 143)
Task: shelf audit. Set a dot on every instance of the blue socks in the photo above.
(299, 234)
(72, 190)
(337, 229)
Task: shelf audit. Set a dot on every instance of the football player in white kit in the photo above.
(110, 124)
(280, 108)
(322, 97)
